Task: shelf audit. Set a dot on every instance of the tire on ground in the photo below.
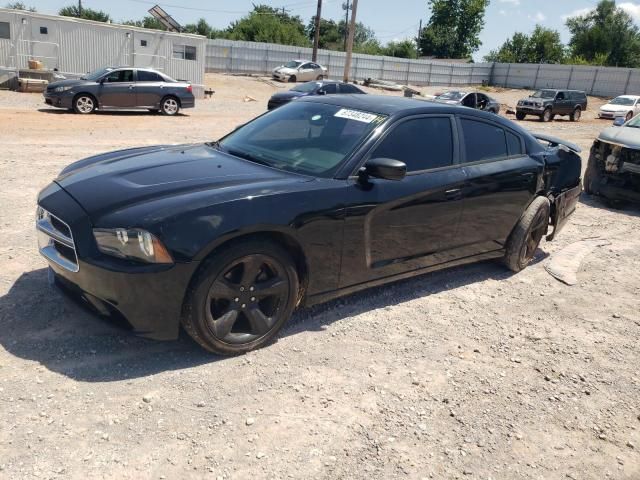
(514, 258)
(194, 319)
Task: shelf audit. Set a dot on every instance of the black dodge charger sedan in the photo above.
(316, 199)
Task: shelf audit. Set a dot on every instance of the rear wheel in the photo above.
(520, 115)
(526, 235)
(320, 77)
(547, 116)
(84, 104)
(170, 106)
(242, 297)
(576, 114)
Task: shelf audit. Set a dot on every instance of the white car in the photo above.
(299, 71)
(626, 106)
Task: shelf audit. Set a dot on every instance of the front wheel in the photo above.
(527, 234)
(547, 116)
(520, 115)
(320, 77)
(170, 106)
(293, 79)
(591, 181)
(628, 117)
(84, 104)
(241, 298)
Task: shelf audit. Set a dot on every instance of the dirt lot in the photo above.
(469, 373)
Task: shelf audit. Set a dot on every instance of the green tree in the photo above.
(19, 6)
(608, 33)
(403, 49)
(87, 13)
(542, 46)
(453, 30)
(332, 35)
(146, 22)
(267, 24)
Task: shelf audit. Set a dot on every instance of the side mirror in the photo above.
(385, 168)
(102, 80)
(322, 92)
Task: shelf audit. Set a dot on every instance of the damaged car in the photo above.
(613, 169)
(313, 200)
(299, 71)
(476, 100)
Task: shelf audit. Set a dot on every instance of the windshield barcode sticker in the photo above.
(356, 115)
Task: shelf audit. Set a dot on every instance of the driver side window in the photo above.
(560, 96)
(421, 143)
(120, 76)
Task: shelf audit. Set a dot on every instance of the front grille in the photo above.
(55, 240)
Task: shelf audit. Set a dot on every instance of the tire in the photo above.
(527, 234)
(226, 316)
(293, 79)
(576, 114)
(520, 116)
(591, 180)
(170, 106)
(546, 116)
(320, 77)
(628, 117)
(84, 104)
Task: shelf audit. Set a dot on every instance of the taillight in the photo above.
(189, 89)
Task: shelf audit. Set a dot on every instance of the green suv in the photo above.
(547, 103)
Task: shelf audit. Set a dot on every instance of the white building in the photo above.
(75, 46)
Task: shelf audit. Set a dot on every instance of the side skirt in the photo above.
(333, 294)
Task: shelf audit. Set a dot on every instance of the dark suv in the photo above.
(548, 103)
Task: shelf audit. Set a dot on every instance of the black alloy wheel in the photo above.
(245, 300)
(241, 298)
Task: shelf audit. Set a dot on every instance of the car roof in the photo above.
(633, 97)
(392, 105)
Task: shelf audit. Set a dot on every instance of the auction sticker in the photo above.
(356, 115)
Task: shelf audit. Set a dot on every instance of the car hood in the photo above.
(626, 136)
(536, 99)
(285, 70)
(288, 95)
(66, 83)
(616, 108)
(119, 180)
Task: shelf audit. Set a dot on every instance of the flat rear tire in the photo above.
(527, 234)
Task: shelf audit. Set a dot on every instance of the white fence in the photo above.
(261, 58)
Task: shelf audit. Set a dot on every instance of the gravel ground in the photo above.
(468, 373)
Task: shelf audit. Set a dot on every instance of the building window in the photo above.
(44, 31)
(184, 52)
(143, 43)
(5, 30)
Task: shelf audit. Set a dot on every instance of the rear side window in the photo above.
(144, 76)
(421, 143)
(514, 144)
(346, 88)
(483, 141)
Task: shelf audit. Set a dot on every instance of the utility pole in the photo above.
(79, 8)
(352, 28)
(418, 39)
(346, 23)
(316, 35)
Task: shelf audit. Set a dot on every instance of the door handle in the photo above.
(130, 87)
(453, 194)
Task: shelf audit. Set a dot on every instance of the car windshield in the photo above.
(622, 101)
(634, 122)
(307, 87)
(451, 96)
(544, 94)
(97, 74)
(302, 137)
(292, 64)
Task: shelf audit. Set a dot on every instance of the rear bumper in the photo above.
(562, 208)
(188, 102)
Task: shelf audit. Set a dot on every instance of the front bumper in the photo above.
(60, 100)
(530, 110)
(149, 297)
(283, 77)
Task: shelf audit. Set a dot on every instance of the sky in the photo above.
(391, 20)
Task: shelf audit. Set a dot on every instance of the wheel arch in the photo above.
(171, 95)
(277, 237)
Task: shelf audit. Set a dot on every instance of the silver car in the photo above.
(299, 71)
(121, 87)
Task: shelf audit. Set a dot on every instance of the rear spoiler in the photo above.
(556, 142)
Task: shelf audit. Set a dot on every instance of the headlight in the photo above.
(521, 102)
(132, 244)
(61, 89)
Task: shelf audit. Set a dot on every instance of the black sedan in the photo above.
(320, 87)
(314, 200)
